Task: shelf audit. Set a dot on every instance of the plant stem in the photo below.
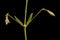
(37, 14)
(12, 17)
(25, 12)
(25, 33)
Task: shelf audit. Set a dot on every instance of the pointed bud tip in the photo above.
(50, 12)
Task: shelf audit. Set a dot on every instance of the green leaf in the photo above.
(18, 21)
(30, 18)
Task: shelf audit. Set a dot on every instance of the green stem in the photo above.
(25, 33)
(37, 14)
(25, 12)
(12, 17)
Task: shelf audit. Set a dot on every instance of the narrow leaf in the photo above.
(30, 18)
(18, 21)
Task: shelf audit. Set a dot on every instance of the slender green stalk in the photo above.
(11, 17)
(25, 20)
(37, 14)
(50, 12)
(25, 12)
(25, 33)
